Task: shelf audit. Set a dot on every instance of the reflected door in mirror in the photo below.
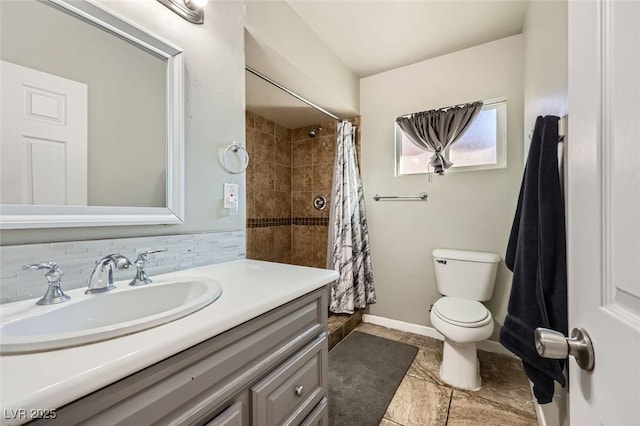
(43, 143)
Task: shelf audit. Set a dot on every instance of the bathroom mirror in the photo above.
(92, 119)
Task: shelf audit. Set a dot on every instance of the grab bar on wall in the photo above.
(420, 197)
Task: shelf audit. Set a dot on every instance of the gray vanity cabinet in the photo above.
(271, 370)
(232, 416)
(287, 395)
(319, 416)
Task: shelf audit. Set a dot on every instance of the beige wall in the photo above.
(126, 98)
(466, 210)
(546, 88)
(545, 62)
(214, 116)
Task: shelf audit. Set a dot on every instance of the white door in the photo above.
(43, 141)
(603, 220)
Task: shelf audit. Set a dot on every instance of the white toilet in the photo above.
(464, 278)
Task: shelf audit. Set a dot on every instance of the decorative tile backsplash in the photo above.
(77, 259)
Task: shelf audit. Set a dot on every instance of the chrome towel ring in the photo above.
(235, 147)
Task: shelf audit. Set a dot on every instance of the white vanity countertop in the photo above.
(51, 379)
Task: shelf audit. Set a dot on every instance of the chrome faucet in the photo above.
(54, 293)
(102, 276)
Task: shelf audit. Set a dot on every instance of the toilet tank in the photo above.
(465, 274)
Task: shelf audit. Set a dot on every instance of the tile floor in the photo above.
(423, 400)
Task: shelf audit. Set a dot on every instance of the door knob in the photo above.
(552, 344)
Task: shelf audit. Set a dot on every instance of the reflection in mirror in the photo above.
(83, 113)
(92, 118)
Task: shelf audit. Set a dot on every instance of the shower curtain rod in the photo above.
(295, 95)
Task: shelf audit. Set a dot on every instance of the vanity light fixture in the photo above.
(191, 10)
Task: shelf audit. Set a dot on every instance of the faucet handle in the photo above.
(142, 257)
(141, 277)
(52, 275)
(36, 266)
(54, 293)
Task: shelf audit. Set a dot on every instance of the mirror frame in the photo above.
(14, 216)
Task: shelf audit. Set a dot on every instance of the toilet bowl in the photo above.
(463, 323)
(464, 278)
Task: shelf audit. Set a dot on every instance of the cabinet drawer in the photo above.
(289, 394)
(232, 416)
(319, 416)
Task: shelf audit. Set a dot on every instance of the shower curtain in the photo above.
(348, 249)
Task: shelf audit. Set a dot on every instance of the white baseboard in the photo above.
(423, 330)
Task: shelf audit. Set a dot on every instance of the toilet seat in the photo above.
(462, 312)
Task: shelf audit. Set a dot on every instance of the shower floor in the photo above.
(340, 325)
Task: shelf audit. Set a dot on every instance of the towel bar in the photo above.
(420, 197)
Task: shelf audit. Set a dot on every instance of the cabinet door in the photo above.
(232, 416)
(289, 394)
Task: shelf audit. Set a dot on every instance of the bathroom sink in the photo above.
(25, 327)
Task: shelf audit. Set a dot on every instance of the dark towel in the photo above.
(536, 255)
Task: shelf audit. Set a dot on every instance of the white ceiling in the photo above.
(376, 36)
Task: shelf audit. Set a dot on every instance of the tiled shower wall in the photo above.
(288, 169)
(268, 190)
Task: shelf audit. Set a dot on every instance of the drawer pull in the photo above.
(299, 390)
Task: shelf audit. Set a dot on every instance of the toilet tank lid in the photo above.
(466, 255)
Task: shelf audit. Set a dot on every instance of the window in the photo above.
(483, 146)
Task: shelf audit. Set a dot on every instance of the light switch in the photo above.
(231, 198)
